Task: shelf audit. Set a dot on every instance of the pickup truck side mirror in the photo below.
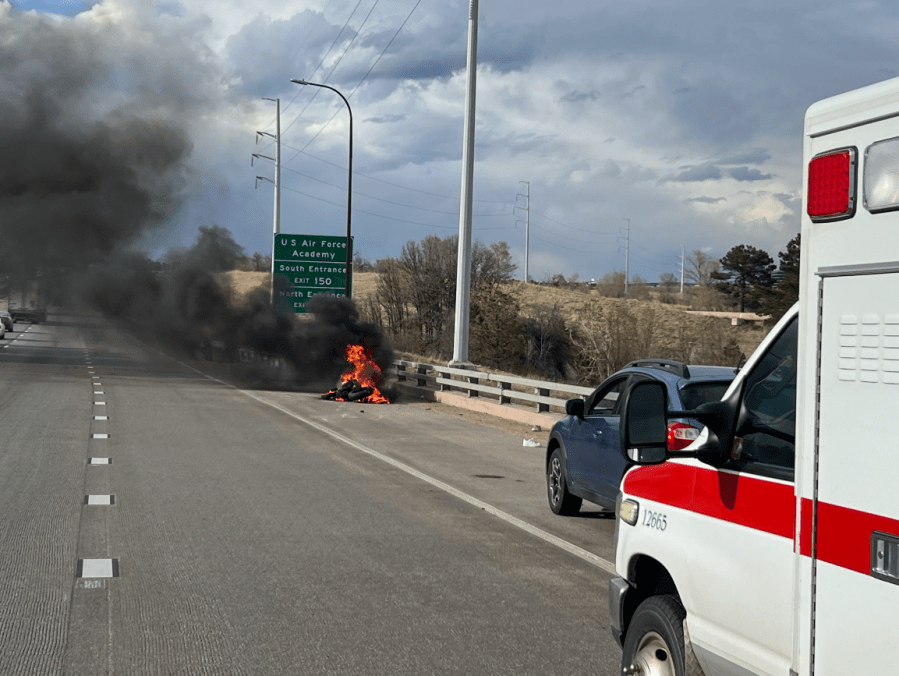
(644, 423)
(575, 407)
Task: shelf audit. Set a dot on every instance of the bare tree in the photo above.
(638, 288)
(667, 287)
(417, 291)
(699, 268)
(392, 296)
(611, 284)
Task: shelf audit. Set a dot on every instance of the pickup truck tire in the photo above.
(657, 641)
(560, 500)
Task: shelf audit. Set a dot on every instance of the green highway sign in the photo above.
(305, 266)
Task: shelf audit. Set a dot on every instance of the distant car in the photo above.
(2, 330)
(583, 459)
(6, 320)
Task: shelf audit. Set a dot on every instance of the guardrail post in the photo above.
(401, 372)
(543, 392)
(422, 371)
(443, 386)
(476, 381)
(503, 399)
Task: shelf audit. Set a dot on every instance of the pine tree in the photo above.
(745, 275)
(785, 291)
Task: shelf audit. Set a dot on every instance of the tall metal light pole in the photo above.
(463, 270)
(349, 190)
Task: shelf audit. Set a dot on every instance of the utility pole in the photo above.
(627, 255)
(527, 226)
(682, 262)
(276, 225)
(463, 271)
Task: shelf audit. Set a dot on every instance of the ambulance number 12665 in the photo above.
(654, 520)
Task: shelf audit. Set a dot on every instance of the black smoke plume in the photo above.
(80, 178)
(183, 304)
(97, 152)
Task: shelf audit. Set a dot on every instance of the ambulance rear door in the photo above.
(855, 514)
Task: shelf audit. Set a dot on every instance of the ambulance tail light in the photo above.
(881, 187)
(831, 185)
(681, 435)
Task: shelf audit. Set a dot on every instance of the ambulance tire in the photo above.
(561, 502)
(657, 641)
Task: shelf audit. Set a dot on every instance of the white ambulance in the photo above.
(774, 547)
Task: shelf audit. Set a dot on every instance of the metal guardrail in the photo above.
(504, 389)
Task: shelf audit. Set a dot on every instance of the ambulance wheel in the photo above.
(560, 500)
(657, 642)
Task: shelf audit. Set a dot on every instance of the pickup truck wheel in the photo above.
(657, 643)
(560, 500)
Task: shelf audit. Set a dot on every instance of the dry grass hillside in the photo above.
(669, 330)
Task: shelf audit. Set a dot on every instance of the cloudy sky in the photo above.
(682, 120)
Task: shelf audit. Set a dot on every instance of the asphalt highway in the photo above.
(156, 520)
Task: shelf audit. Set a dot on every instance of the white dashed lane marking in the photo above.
(100, 403)
(99, 499)
(101, 417)
(99, 461)
(99, 436)
(98, 568)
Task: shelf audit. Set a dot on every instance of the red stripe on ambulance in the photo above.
(742, 499)
(844, 534)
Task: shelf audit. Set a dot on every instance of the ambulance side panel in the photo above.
(847, 463)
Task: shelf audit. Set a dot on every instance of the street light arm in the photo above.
(349, 197)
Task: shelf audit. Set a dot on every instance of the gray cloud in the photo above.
(386, 119)
(758, 156)
(575, 96)
(701, 172)
(747, 174)
(706, 200)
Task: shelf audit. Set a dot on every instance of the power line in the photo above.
(395, 185)
(592, 232)
(388, 218)
(381, 199)
(601, 253)
(336, 63)
(346, 23)
(408, 16)
(534, 225)
(302, 46)
(370, 213)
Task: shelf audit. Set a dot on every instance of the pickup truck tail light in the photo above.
(681, 435)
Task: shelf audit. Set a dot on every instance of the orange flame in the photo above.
(365, 372)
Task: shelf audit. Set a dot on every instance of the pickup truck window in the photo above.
(766, 428)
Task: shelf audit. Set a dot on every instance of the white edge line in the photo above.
(589, 557)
